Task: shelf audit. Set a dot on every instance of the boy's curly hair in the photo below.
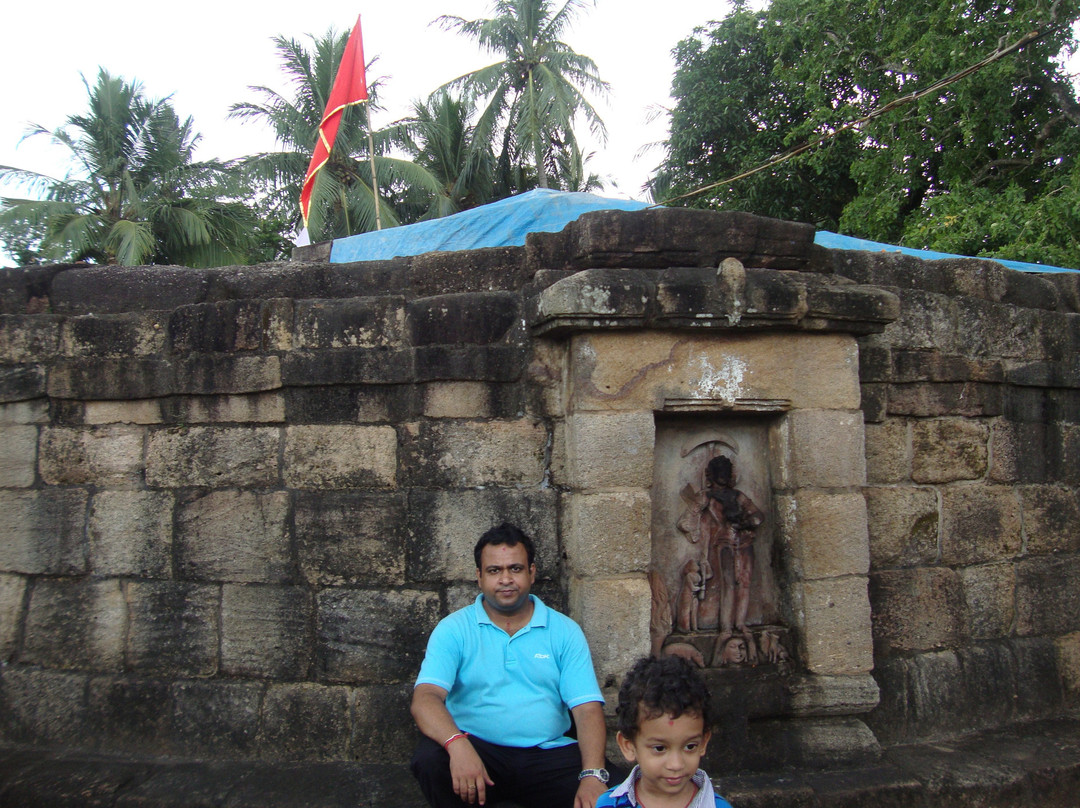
(655, 686)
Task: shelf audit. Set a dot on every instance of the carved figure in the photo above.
(771, 649)
(686, 651)
(660, 619)
(730, 651)
(725, 520)
(695, 574)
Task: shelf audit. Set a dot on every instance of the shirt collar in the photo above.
(703, 798)
(539, 617)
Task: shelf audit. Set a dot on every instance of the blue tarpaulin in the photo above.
(505, 224)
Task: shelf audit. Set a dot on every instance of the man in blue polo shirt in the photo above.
(496, 690)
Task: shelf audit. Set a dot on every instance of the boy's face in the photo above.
(668, 751)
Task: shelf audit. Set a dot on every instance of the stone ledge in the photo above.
(1033, 764)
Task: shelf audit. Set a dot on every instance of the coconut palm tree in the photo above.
(536, 90)
(441, 139)
(343, 201)
(134, 195)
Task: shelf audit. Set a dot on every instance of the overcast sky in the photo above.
(206, 54)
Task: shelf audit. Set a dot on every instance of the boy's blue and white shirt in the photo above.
(625, 795)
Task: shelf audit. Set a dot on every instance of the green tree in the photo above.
(135, 194)
(535, 91)
(758, 83)
(441, 139)
(343, 201)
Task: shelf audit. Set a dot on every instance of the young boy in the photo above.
(663, 729)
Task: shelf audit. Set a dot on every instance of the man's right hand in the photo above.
(467, 772)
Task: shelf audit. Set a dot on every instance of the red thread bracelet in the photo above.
(452, 738)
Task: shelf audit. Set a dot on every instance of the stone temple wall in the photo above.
(234, 502)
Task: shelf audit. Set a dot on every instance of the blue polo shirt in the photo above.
(512, 691)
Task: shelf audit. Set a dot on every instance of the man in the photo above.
(498, 684)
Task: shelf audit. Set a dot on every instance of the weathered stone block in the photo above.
(373, 636)
(219, 374)
(836, 635)
(1038, 681)
(903, 526)
(244, 409)
(348, 404)
(28, 338)
(22, 383)
(825, 534)
(1020, 452)
(122, 412)
(111, 289)
(75, 624)
(464, 454)
(112, 378)
(916, 610)
(174, 628)
(110, 457)
(42, 532)
(614, 614)
(1051, 517)
(444, 527)
(826, 449)
(475, 318)
(131, 716)
(304, 721)
(610, 450)
(266, 631)
(640, 371)
(1047, 597)
(131, 533)
(18, 456)
(351, 538)
(1068, 662)
(834, 695)
(340, 456)
(234, 536)
(888, 452)
(493, 268)
(989, 671)
(355, 322)
(607, 534)
(21, 413)
(936, 694)
(348, 366)
(927, 321)
(222, 326)
(113, 335)
(212, 457)
(488, 363)
(42, 707)
(12, 595)
(979, 524)
(989, 593)
(457, 400)
(382, 729)
(948, 449)
(215, 719)
(938, 399)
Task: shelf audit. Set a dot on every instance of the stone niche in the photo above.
(712, 459)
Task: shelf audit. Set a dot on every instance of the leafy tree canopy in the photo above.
(534, 92)
(986, 166)
(134, 194)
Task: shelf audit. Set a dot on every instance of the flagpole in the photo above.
(374, 182)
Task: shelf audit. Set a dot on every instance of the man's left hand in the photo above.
(588, 792)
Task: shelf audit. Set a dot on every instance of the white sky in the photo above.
(206, 54)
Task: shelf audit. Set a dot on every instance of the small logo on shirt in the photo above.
(541, 656)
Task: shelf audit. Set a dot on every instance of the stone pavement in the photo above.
(1034, 764)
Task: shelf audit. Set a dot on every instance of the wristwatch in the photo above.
(600, 774)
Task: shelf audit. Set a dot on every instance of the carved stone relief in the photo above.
(714, 597)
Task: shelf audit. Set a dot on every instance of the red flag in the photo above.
(350, 87)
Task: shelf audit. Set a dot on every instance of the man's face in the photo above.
(505, 577)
